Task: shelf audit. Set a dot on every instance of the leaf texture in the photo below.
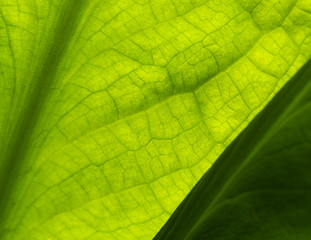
(111, 111)
(260, 187)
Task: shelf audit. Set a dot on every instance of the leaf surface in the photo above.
(111, 111)
(260, 187)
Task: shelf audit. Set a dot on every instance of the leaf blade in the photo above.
(122, 127)
(261, 178)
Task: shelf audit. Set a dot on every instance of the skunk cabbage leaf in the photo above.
(111, 111)
(260, 187)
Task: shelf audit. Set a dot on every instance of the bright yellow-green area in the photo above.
(145, 97)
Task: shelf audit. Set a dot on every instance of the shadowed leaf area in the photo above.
(111, 111)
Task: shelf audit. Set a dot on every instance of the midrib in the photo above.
(28, 118)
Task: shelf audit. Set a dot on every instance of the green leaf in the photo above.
(111, 111)
(260, 187)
